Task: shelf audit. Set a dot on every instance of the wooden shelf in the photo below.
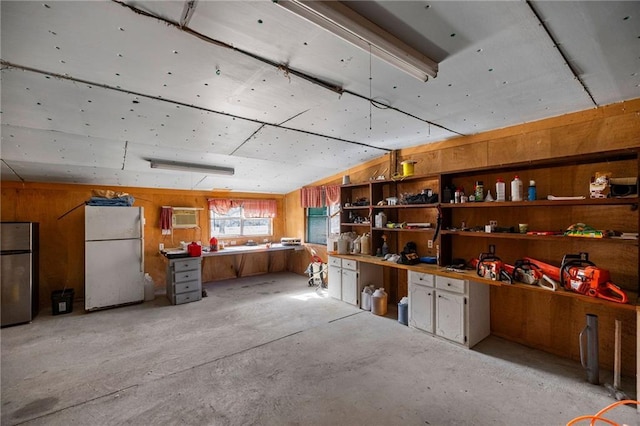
(362, 225)
(404, 229)
(550, 238)
(543, 203)
(408, 206)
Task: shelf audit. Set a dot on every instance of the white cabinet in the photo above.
(454, 309)
(347, 278)
(450, 316)
(421, 294)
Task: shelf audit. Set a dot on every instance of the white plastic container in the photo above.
(501, 190)
(379, 302)
(149, 288)
(365, 300)
(381, 220)
(516, 189)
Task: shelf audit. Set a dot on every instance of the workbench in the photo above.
(245, 260)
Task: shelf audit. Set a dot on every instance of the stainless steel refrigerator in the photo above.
(19, 243)
(114, 256)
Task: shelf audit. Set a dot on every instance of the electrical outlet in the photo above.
(430, 244)
(161, 246)
(233, 242)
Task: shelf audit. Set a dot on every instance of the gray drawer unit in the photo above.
(184, 283)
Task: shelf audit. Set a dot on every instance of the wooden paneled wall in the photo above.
(59, 210)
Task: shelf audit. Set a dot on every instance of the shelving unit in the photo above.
(560, 176)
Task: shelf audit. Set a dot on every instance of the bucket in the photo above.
(379, 302)
(403, 313)
(62, 301)
(407, 167)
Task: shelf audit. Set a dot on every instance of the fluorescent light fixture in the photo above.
(190, 167)
(345, 23)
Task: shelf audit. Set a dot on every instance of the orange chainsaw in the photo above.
(490, 266)
(579, 274)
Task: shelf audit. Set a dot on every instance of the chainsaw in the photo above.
(528, 272)
(582, 276)
(490, 266)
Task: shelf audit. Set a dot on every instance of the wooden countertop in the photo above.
(230, 250)
(472, 276)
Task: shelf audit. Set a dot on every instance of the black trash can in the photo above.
(62, 301)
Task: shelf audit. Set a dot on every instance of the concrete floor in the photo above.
(268, 350)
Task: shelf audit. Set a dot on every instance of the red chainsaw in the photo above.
(579, 274)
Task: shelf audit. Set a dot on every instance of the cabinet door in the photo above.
(350, 286)
(450, 316)
(335, 282)
(421, 307)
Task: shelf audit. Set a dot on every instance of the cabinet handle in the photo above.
(448, 284)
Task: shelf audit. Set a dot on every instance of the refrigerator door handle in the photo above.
(142, 255)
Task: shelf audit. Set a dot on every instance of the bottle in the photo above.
(356, 246)
(479, 191)
(532, 190)
(457, 195)
(385, 247)
(516, 189)
(500, 190)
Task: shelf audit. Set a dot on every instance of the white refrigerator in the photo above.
(114, 256)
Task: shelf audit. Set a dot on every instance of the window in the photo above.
(234, 224)
(320, 224)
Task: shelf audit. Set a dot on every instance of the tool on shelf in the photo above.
(491, 267)
(528, 272)
(580, 275)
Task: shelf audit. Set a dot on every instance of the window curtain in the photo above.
(259, 208)
(332, 193)
(221, 206)
(319, 196)
(252, 208)
(312, 197)
(166, 219)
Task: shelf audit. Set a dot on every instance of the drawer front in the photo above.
(451, 284)
(193, 296)
(186, 287)
(350, 264)
(421, 278)
(179, 277)
(186, 265)
(335, 261)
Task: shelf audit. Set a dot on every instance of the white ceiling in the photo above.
(91, 90)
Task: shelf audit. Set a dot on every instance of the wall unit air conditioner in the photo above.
(185, 217)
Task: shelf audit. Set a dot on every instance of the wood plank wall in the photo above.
(524, 316)
(58, 209)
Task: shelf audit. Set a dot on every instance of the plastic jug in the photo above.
(149, 288)
(343, 246)
(381, 220)
(379, 302)
(356, 245)
(365, 300)
(365, 245)
(194, 249)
